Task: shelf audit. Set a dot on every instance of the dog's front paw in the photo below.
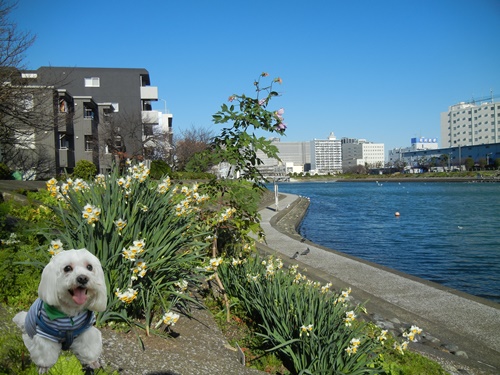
(43, 370)
(89, 368)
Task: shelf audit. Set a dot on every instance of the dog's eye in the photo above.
(89, 267)
(68, 269)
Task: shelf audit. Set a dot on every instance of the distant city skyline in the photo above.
(382, 71)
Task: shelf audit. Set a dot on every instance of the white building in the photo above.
(469, 124)
(361, 152)
(397, 155)
(295, 156)
(326, 155)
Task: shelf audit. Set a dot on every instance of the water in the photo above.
(447, 233)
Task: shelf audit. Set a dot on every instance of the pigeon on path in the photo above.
(294, 256)
(305, 252)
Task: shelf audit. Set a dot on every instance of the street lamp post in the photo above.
(460, 157)
(488, 159)
(165, 103)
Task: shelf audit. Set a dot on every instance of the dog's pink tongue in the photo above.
(79, 296)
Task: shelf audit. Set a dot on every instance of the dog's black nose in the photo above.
(82, 279)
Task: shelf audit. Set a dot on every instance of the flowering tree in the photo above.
(237, 145)
(229, 216)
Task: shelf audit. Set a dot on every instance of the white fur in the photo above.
(59, 277)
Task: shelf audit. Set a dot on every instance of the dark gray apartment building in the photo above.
(99, 114)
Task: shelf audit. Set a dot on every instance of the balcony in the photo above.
(66, 158)
(150, 117)
(149, 93)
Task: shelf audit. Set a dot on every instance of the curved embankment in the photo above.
(459, 329)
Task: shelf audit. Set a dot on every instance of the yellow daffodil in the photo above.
(126, 296)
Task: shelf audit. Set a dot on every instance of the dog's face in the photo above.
(73, 281)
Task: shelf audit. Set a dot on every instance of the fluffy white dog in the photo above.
(71, 289)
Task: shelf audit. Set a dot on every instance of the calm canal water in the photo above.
(447, 232)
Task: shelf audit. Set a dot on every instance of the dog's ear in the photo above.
(47, 289)
(101, 300)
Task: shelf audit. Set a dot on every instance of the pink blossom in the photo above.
(279, 113)
(264, 74)
(231, 98)
(279, 80)
(281, 126)
(262, 101)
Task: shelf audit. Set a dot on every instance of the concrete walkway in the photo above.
(453, 317)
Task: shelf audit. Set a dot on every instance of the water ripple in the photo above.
(446, 232)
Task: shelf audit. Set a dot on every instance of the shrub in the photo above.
(18, 283)
(159, 168)
(140, 231)
(192, 176)
(5, 172)
(239, 198)
(85, 170)
(314, 329)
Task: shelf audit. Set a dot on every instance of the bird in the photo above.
(294, 256)
(302, 239)
(306, 251)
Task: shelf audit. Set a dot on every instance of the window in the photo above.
(88, 112)
(63, 141)
(148, 130)
(89, 143)
(63, 106)
(25, 140)
(92, 82)
(26, 103)
(118, 142)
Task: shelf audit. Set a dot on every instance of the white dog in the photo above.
(71, 289)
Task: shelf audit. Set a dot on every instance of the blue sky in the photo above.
(380, 70)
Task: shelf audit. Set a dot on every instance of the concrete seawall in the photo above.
(461, 329)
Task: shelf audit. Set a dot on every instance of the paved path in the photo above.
(471, 323)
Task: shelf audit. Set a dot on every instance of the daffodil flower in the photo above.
(126, 296)
(305, 329)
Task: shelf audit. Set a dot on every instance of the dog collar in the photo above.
(52, 312)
